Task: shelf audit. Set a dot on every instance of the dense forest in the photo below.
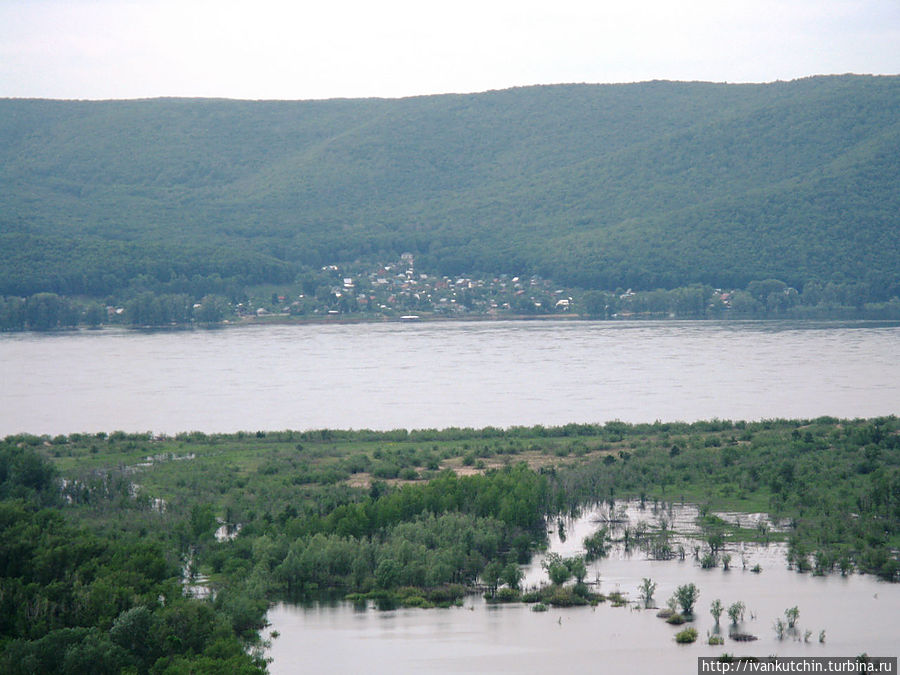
(104, 538)
(655, 185)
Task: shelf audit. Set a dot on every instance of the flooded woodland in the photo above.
(857, 613)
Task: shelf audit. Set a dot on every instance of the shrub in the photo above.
(716, 640)
(417, 601)
(560, 596)
(531, 596)
(686, 636)
(582, 589)
(507, 595)
(539, 607)
(446, 593)
(617, 599)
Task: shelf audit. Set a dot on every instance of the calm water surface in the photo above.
(384, 376)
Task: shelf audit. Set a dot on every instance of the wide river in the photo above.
(435, 375)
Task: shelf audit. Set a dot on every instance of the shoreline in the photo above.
(349, 320)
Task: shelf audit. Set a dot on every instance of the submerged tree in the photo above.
(557, 569)
(736, 612)
(595, 545)
(792, 615)
(685, 597)
(647, 588)
(716, 609)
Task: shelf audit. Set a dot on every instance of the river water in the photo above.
(435, 375)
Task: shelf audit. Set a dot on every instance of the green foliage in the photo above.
(686, 595)
(780, 627)
(708, 561)
(561, 569)
(686, 636)
(81, 577)
(792, 614)
(557, 569)
(595, 545)
(512, 575)
(24, 475)
(647, 588)
(72, 601)
(704, 185)
(736, 612)
(507, 595)
(566, 596)
(828, 467)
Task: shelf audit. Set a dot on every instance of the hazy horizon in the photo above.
(277, 50)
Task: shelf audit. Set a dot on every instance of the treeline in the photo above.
(768, 299)
(49, 311)
(613, 430)
(765, 299)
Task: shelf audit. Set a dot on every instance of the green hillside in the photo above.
(649, 185)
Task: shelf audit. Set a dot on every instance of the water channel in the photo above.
(436, 375)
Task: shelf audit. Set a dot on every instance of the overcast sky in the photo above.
(294, 49)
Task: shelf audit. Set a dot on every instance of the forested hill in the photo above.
(656, 184)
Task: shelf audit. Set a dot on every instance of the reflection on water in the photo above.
(435, 375)
(858, 614)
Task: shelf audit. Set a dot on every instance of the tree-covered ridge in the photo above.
(650, 185)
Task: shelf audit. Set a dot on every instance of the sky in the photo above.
(295, 49)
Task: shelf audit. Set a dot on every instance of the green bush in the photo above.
(507, 595)
(686, 636)
(409, 473)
